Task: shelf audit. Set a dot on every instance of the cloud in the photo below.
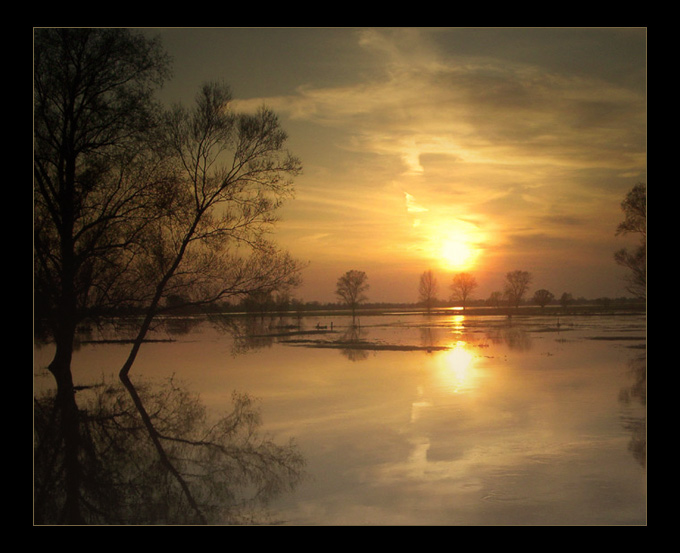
(532, 153)
(412, 206)
(478, 110)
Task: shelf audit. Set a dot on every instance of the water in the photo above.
(416, 420)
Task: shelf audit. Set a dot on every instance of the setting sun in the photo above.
(456, 254)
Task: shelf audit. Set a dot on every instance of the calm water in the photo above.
(416, 420)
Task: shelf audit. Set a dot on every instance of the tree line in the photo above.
(351, 286)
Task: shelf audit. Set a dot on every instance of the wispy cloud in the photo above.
(480, 138)
(411, 205)
(476, 110)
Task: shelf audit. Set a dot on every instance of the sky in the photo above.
(485, 150)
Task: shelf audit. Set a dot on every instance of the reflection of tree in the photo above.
(431, 338)
(636, 393)
(180, 326)
(180, 467)
(249, 333)
(353, 337)
(427, 339)
(515, 338)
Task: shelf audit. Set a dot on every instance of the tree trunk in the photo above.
(69, 426)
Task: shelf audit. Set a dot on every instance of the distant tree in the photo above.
(516, 285)
(462, 286)
(566, 299)
(634, 207)
(350, 289)
(543, 297)
(427, 290)
(495, 299)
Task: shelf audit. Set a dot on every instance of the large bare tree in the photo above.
(232, 174)
(92, 116)
(133, 206)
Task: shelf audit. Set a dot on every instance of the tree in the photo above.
(92, 116)
(462, 286)
(516, 285)
(427, 290)
(350, 289)
(566, 299)
(232, 174)
(495, 299)
(634, 207)
(543, 297)
(132, 208)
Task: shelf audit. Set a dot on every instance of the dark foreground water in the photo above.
(417, 420)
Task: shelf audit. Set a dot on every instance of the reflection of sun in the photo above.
(457, 324)
(457, 367)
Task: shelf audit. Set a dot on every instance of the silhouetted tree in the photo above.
(427, 289)
(95, 177)
(543, 297)
(495, 299)
(516, 285)
(132, 207)
(566, 299)
(634, 207)
(350, 289)
(462, 286)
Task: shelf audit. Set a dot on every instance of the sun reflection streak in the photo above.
(457, 323)
(457, 367)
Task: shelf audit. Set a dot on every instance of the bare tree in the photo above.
(351, 287)
(232, 174)
(94, 179)
(132, 208)
(543, 297)
(516, 285)
(462, 286)
(495, 298)
(427, 289)
(634, 207)
(565, 299)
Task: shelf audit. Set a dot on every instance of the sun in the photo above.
(457, 253)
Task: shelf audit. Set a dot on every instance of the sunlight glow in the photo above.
(455, 245)
(457, 367)
(456, 254)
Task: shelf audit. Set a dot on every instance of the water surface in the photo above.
(412, 419)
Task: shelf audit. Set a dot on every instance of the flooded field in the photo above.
(409, 419)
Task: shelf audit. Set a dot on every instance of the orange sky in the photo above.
(489, 150)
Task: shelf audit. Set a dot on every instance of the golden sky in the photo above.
(479, 149)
